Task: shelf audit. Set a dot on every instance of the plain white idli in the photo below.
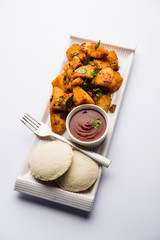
(81, 175)
(50, 160)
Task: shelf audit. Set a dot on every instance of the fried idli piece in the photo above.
(108, 79)
(77, 82)
(119, 81)
(103, 101)
(71, 66)
(80, 96)
(113, 60)
(59, 99)
(62, 81)
(75, 50)
(105, 78)
(58, 121)
(110, 61)
(95, 51)
(84, 72)
(55, 82)
(100, 63)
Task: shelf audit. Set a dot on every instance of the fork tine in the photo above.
(31, 120)
(25, 122)
(35, 120)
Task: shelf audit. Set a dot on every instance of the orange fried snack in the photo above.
(90, 76)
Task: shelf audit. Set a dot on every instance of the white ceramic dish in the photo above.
(27, 184)
(92, 144)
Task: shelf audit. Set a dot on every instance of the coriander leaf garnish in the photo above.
(95, 72)
(97, 44)
(84, 71)
(69, 101)
(65, 79)
(95, 124)
(74, 54)
(62, 96)
(90, 62)
(92, 121)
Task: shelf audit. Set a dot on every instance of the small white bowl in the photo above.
(91, 144)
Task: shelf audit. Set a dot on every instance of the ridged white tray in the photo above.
(27, 184)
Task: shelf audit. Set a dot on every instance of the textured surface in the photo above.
(50, 160)
(81, 175)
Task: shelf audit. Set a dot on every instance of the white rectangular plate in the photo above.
(27, 184)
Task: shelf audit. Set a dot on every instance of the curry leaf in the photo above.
(95, 72)
(65, 80)
(74, 54)
(69, 101)
(97, 44)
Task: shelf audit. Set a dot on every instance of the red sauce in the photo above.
(84, 125)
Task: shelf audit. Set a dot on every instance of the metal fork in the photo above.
(41, 129)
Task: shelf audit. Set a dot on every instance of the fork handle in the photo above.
(95, 156)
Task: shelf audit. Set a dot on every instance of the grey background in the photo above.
(34, 36)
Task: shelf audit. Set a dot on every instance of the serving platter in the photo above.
(27, 184)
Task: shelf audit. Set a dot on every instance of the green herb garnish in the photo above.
(59, 102)
(84, 71)
(69, 101)
(97, 44)
(90, 62)
(114, 64)
(74, 54)
(65, 79)
(95, 72)
(95, 124)
(95, 90)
